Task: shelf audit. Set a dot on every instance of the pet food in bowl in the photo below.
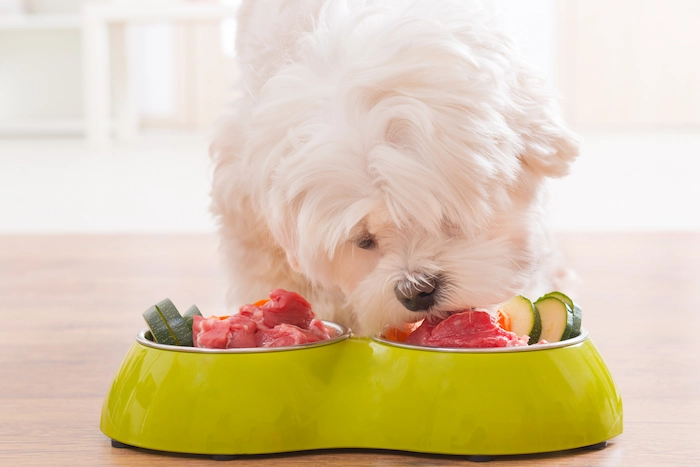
(468, 329)
(285, 319)
(482, 401)
(552, 318)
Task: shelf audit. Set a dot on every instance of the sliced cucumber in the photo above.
(576, 328)
(557, 319)
(183, 335)
(160, 331)
(524, 318)
(190, 314)
(167, 326)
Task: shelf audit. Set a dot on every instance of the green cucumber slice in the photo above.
(160, 331)
(524, 318)
(557, 319)
(188, 316)
(167, 326)
(578, 314)
(177, 326)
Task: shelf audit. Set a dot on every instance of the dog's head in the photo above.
(400, 157)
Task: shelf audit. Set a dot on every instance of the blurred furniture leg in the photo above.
(126, 115)
(96, 75)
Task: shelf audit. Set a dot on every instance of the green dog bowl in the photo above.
(353, 392)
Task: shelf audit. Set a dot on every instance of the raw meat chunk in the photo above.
(287, 308)
(283, 335)
(467, 329)
(286, 319)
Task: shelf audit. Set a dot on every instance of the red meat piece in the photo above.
(282, 308)
(241, 332)
(319, 330)
(214, 333)
(287, 308)
(211, 333)
(253, 312)
(468, 329)
(286, 319)
(283, 335)
(421, 334)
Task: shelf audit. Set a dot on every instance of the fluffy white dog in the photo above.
(386, 160)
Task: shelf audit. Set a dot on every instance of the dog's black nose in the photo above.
(416, 296)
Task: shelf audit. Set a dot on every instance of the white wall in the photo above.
(532, 25)
(631, 63)
(40, 75)
(52, 6)
(152, 52)
(632, 180)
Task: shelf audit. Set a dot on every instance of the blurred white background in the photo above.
(107, 108)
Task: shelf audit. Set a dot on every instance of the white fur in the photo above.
(414, 121)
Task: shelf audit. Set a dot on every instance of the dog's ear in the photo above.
(512, 92)
(548, 145)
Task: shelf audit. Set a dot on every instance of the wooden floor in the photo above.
(72, 305)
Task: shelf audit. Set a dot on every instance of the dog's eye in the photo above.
(366, 242)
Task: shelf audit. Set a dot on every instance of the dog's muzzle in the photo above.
(416, 296)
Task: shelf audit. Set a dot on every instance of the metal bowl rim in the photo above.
(343, 332)
(529, 348)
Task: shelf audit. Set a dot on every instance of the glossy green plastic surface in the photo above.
(360, 393)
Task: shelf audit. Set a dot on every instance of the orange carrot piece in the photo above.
(504, 321)
(398, 335)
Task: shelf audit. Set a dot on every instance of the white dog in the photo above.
(386, 161)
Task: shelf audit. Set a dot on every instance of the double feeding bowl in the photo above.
(351, 392)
